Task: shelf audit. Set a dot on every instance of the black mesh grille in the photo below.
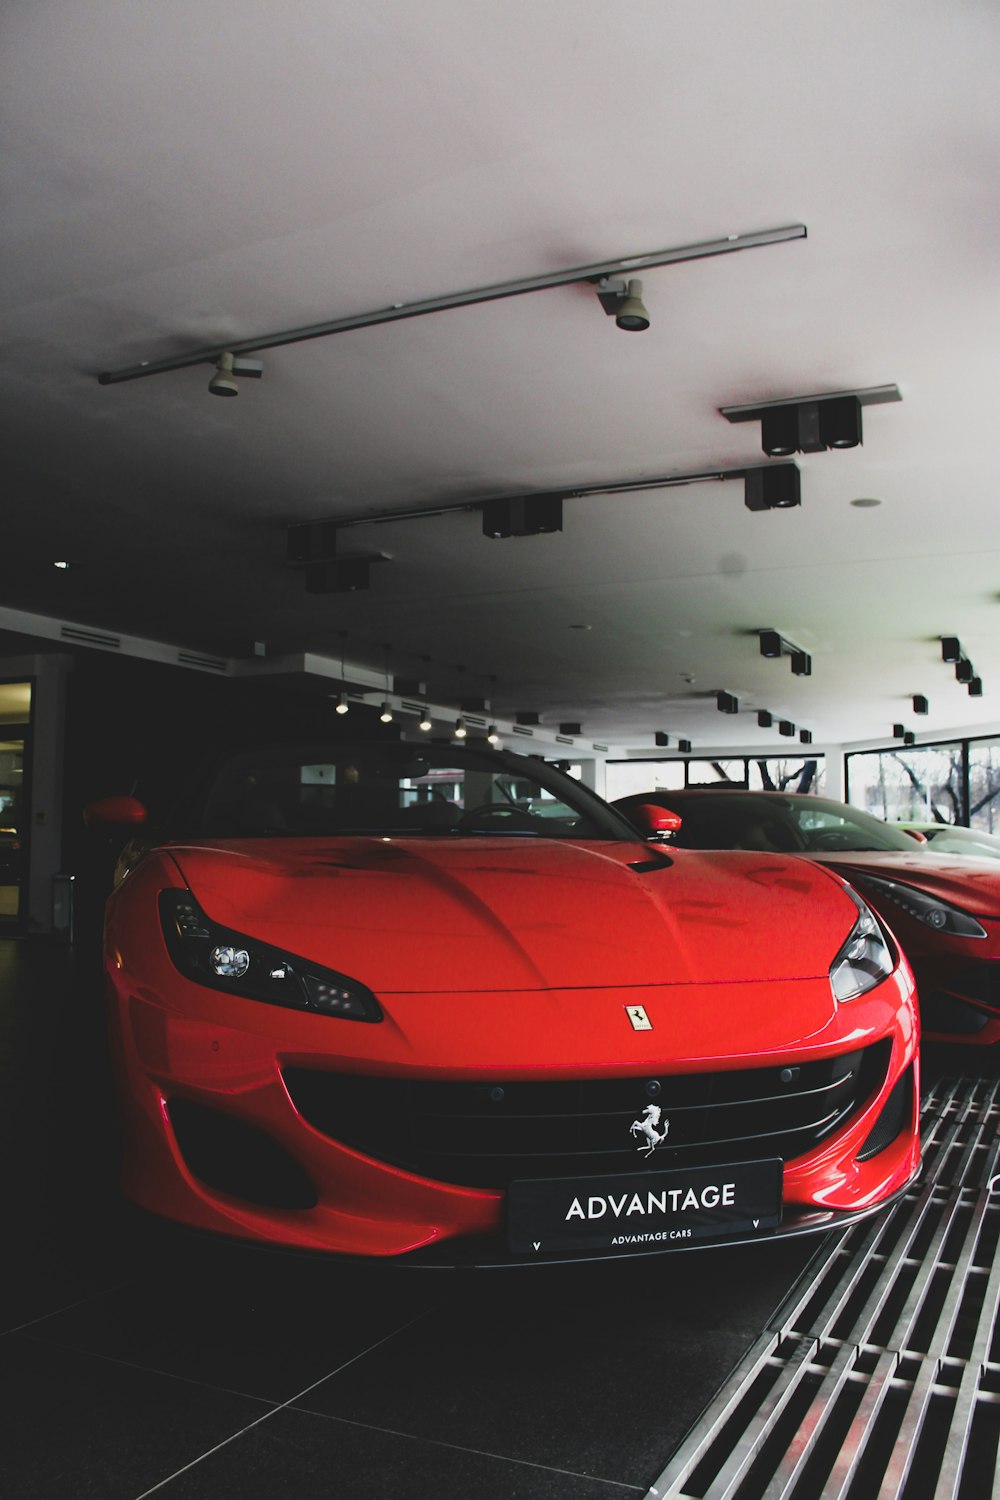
(978, 982)
(488, 1134)
(895, 1113)
(238, 1159)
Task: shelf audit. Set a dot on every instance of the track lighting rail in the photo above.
(597, 271)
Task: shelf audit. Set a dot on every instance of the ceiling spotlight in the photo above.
(684, 746)
(62, 565)
(727, 703)
(802, 664)
(840, 422)
(425, 720)
(632, 315)
(898, 730)
(770, 643)
(522, 515)
(222, 382)
(493, 735)
(951, 648)
(661, 738)
(460, 729)
(909, 738)
(385, 716)
(764, 718)
(348, 576)
(227, 367)
(773, 487)
(920, 704)
(623, 302)
(975, 687)
(805, 736)
(343, 707)
(964, 670)
(786, 727)
(779, 431)
(810, 426)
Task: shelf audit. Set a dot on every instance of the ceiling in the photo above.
(179, 176)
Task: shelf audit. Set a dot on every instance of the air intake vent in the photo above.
(520, 729)
(90, 637)
(206, 663)
(564, 739)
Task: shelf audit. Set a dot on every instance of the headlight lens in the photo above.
(940, 915)
(226, 960)
(864, 960)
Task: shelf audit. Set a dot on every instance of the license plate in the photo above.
(636, 1210)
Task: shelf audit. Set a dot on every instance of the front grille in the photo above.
(489, 1134)
(978, 982)
(238, 1159)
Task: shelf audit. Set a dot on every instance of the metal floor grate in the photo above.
(879, 1377)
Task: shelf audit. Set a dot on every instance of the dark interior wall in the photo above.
(143, 727)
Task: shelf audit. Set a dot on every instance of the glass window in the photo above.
(629, 778)
(919, 783)
(984, 785)
(772, 774)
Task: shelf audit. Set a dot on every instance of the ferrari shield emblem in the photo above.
(638, 1017)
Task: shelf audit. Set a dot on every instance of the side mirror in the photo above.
(655, 822)
(917, 836)
(115, 812)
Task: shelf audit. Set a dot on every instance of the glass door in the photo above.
(15, 714)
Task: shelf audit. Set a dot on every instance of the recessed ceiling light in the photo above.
(866, 502)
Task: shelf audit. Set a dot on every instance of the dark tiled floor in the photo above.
(136, 1363)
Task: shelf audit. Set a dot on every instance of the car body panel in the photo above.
(958, 977)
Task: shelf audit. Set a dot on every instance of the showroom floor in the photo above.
(137, 1363)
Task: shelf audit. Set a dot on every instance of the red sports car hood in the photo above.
(432, 915)
(973, 884)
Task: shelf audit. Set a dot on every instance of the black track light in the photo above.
(661, 739)
(786, 727)
(727, 703)
(773, 487)
(348, 576)
(522, 515)
(770, 643)
(840, 422)
(805, 736)
(951, 648)
(810, 426)
(920, 704)
(898, 731)
(964, 670)
(764, 718)
(312, 541)
(802, 664)
(975, 687)
(909, 738)
(684, 746)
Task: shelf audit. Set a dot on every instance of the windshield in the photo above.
(788, 825)
(394, 788)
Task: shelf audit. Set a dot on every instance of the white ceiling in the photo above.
(184, 174)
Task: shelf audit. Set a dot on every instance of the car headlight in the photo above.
(864, 960)
(940, 915)
(226, 960)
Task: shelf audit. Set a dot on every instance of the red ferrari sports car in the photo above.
(945, 908)
(416, 1001)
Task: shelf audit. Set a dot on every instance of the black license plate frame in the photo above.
(629, 1211)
